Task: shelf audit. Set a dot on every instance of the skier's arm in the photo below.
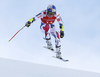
(33, 19)
(61, 25)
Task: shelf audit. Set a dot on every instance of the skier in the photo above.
(48, 17)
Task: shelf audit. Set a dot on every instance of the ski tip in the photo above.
(48, 48)
(67, 60)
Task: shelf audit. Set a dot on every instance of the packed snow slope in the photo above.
(14, 68)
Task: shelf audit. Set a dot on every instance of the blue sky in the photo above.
(81, 44)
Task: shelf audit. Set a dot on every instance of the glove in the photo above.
(28, 24)
(61, 34)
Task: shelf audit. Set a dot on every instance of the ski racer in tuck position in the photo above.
(48, 17)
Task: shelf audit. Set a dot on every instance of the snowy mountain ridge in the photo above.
(14, 68)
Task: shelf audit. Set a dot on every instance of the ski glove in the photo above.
(61, 34)
(28, 23)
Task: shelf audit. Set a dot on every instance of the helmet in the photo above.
(51, 10)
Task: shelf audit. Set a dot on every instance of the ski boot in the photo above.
(58, 53)
(49, 45)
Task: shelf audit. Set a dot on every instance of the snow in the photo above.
(15, 68)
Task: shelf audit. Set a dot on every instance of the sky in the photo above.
(81, 43)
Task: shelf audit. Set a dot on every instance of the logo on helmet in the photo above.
(53, 10)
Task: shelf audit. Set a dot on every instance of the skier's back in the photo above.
(48, 17)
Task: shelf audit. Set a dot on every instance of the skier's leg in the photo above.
(57, 40)
(46, 29)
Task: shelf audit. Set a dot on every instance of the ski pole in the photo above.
(16, 33)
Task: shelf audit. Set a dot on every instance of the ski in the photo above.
(55, 56)
(49, 49)
(65, 60)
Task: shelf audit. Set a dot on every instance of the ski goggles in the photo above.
(51, 13)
